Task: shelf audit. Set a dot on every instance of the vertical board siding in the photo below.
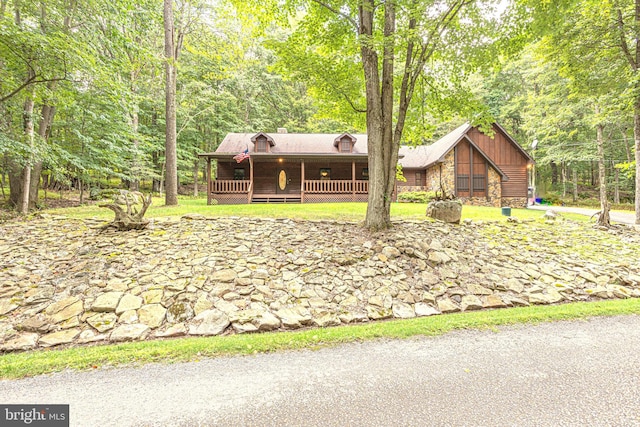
(507, 157)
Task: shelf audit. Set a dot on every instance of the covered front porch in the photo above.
(280, 179)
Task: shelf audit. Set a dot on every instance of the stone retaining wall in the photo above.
(64, 283)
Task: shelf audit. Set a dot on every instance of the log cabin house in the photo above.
(306, 168)
(477, 168)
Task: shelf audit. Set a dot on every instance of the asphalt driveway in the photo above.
(554, 374)
(621, 217)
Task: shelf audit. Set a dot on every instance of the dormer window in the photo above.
(344, 143)
(262, 143)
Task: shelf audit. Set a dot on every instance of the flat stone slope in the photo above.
(64, 283)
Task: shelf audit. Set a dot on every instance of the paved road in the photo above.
(583, 373)
(621, 217)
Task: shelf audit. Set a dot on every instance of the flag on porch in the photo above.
(240, 157)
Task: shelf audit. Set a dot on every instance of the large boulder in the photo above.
(445, 210)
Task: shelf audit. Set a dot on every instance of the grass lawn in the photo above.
(309, 211)
(18, 365)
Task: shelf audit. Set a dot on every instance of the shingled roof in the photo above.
(423, 156)
(291, 143)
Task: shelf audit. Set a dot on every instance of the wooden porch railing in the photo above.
(230, 186)
(334, 186)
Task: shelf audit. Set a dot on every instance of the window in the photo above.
(419, 178)
(345, 145)
(238, 174)
(365, 174)
(462, 183)
(261, 145)
(325, 174)
(479, 183)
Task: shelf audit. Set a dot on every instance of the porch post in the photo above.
(353, 180)
(250, 193)
(302, 181)
(209, 183)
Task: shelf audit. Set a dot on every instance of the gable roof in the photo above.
(290, 144)
(424, 156)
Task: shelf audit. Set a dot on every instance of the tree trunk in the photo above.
(564, 179)
(636, 136)
(575, 184)
(134, 184)
(603, 219)
(616, 183)
(554, 173)
(171, 181)
(29, 133)
(379, 94)
(196, 168)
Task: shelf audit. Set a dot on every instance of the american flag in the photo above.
(240, 157)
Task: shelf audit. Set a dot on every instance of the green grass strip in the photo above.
(19, 365)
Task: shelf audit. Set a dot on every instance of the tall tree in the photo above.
(397, 43)
(171, 50)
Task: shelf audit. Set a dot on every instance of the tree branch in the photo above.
(623, 43)
(349, 19)
(29, 82)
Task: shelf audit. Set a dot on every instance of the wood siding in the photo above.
(507, 157)
(414, 177)
(471, 171)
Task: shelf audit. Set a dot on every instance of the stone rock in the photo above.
(37, 323)
(445, 210)
(514, 285)
(402, 310)
(24, 341)
(152, 315)
(390, 252)
(378, 313)
(136, 331)
(422, 309)
(552, 296)
(103, 321)
(60, 337)
(445, 305)
(152, 296)
(176, 330)
(202, 304)
(295, 317)
(7, 305)
(107, 302)
(129, 302)
(128, 317)
(493, 301)
(179, 312)
(476, 289)
(64, 309)
(209, 322)
(439, 257)
(470, 302)
(224, 276)
(253, 320)
(89, 336)
(325, 318)
(353, 316)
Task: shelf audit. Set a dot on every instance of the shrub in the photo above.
(416, 196)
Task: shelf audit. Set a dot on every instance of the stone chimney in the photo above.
(282, 130)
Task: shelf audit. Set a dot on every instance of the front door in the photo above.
(282, 184)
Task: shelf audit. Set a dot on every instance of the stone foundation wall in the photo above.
(448, 175)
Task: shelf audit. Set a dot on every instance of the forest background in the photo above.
(83, 105)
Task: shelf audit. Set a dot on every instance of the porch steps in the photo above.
(276, 199)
